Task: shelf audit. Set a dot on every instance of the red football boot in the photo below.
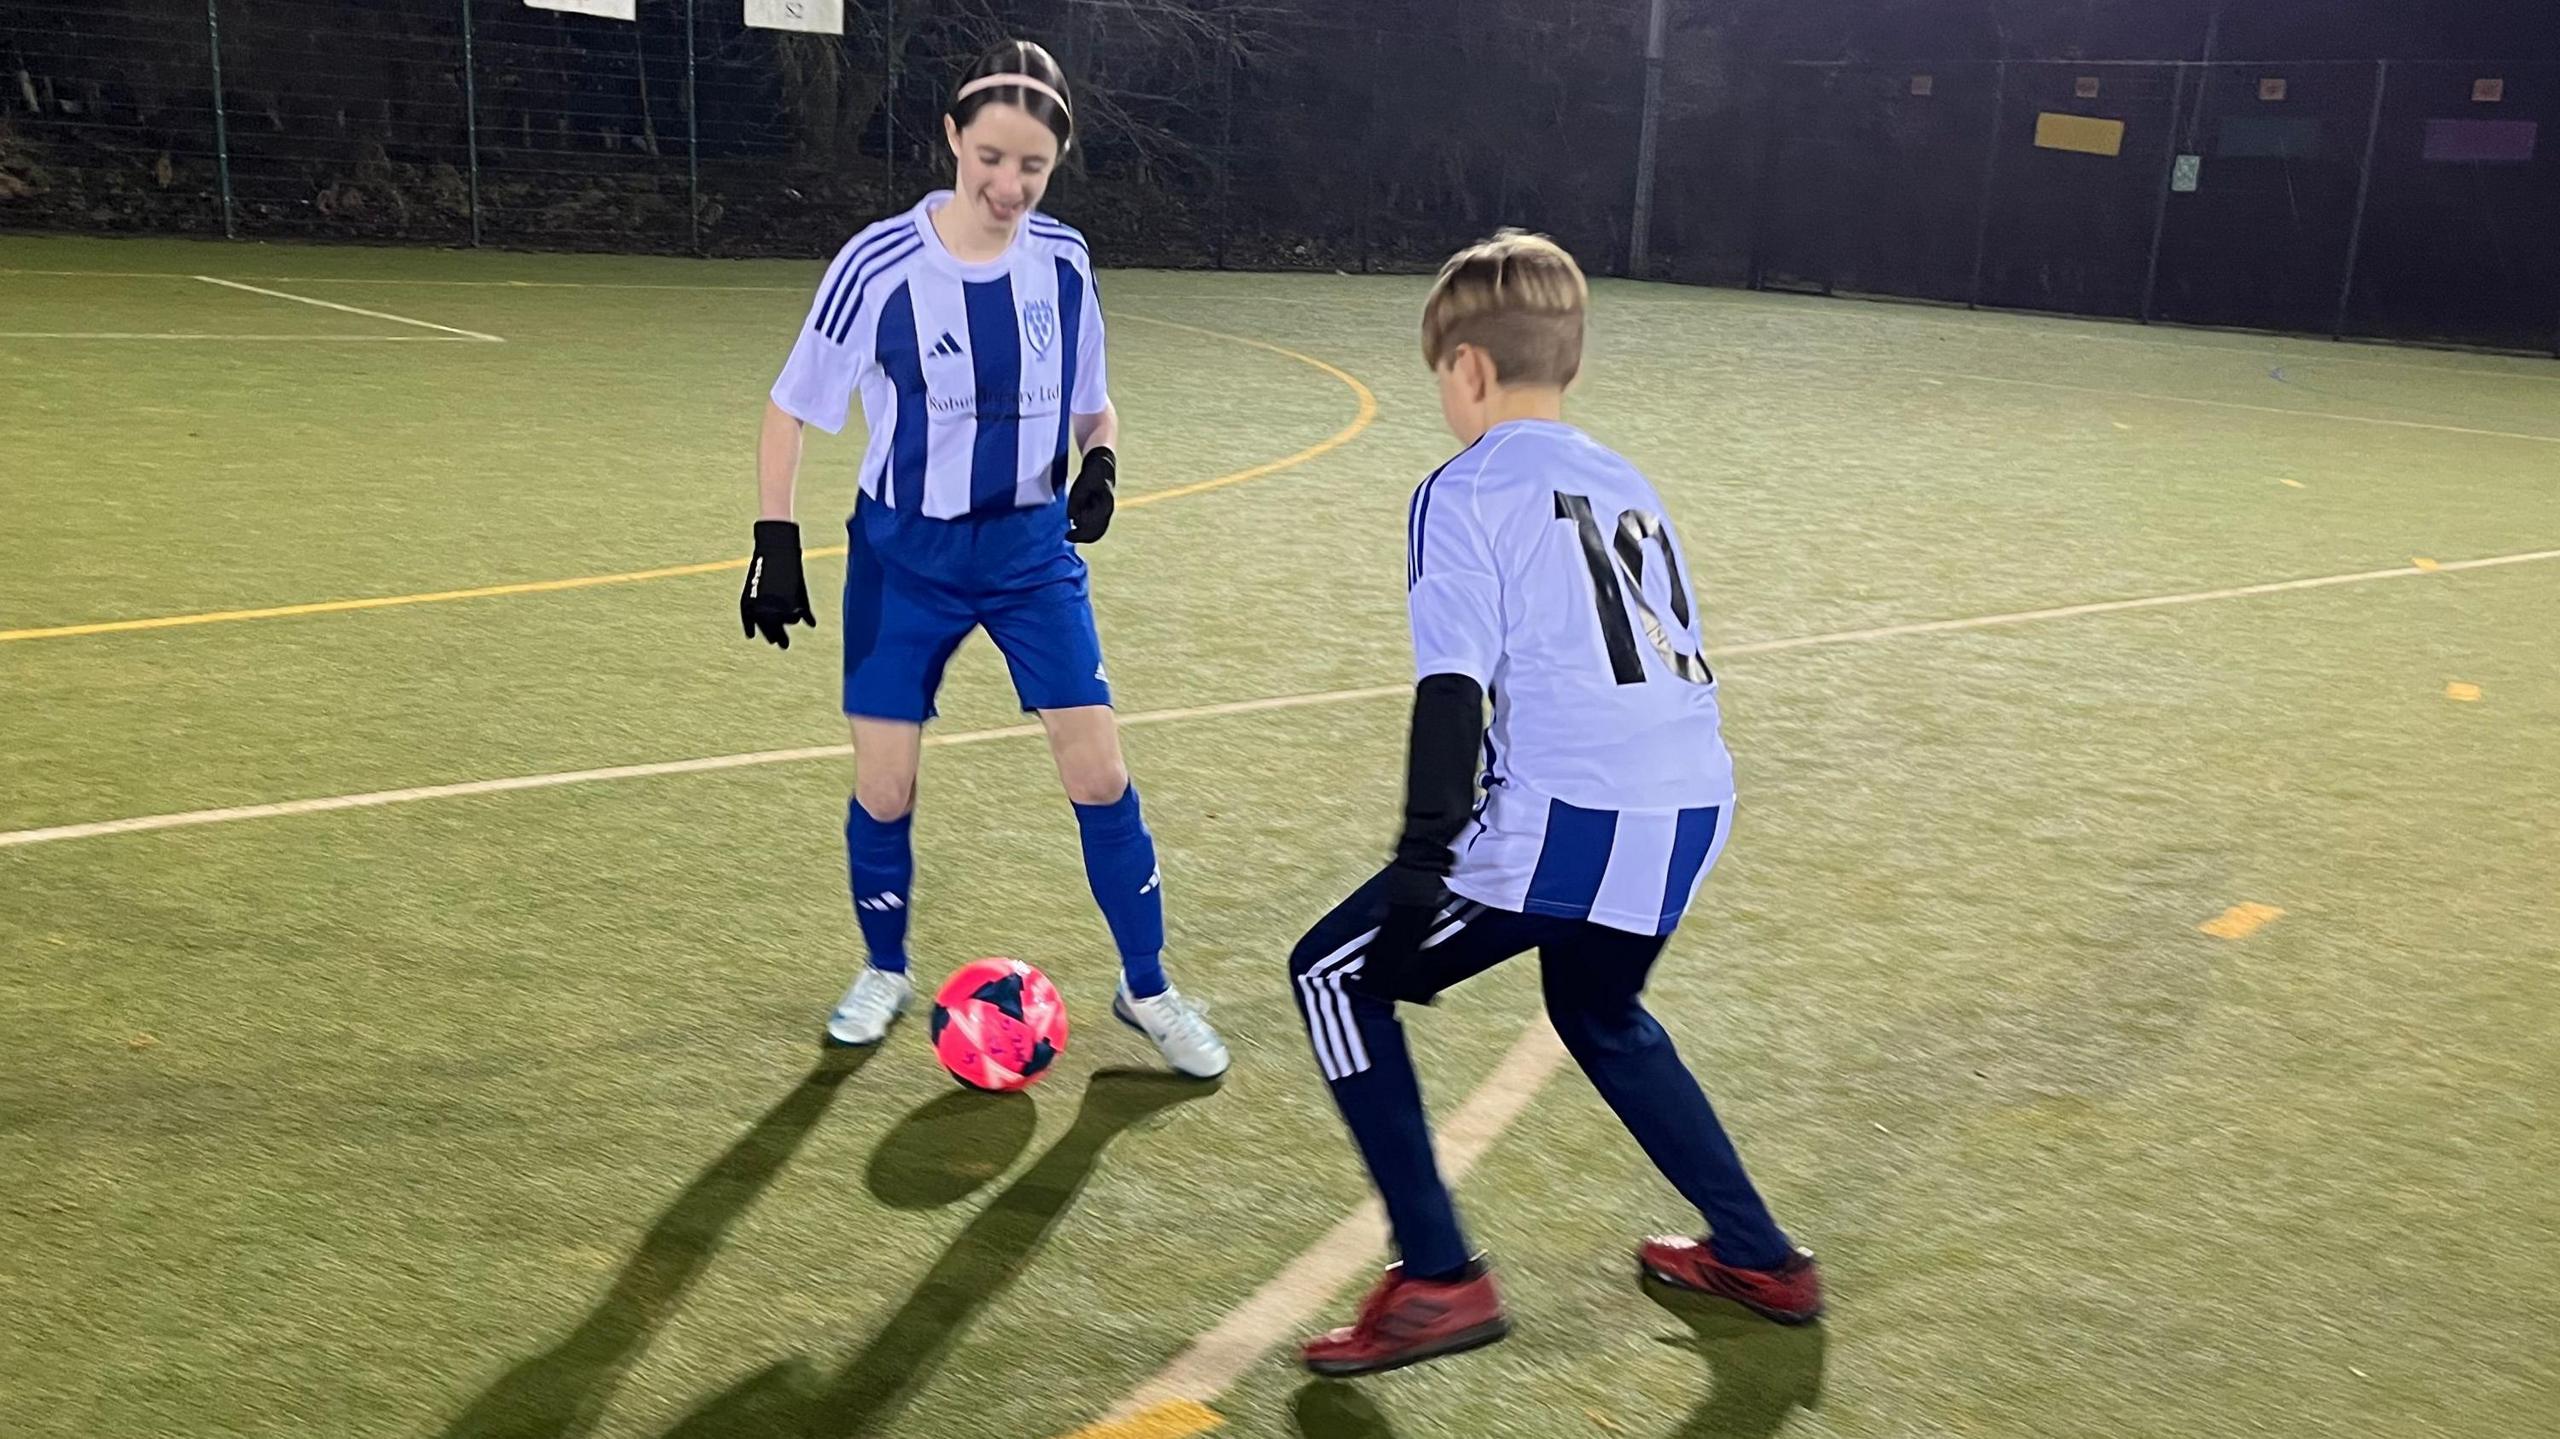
(1789, 1294)
(1405, 1321)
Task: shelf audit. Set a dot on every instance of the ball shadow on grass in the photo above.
(949, 1149)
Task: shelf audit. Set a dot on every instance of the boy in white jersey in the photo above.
(1542, 574)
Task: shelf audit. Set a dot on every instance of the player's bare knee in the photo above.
(886, 798)
(1096, 781)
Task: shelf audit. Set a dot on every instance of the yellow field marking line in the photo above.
(378, 602)
(349, 309)
(1174, 1419)
(2113, 393)
(375, 799)
(1366, 416)
(2241, 921)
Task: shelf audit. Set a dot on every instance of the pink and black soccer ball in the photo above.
(998, 1025)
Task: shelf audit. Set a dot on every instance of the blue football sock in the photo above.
(1120, 863)
(881, 858)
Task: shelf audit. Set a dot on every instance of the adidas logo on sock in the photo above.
(882, 903)
(1154, 882)
(947, 347)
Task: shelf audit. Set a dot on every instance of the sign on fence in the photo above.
(2083, 133)
(608, 9)
(817, 17)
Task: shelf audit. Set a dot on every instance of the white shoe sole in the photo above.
(1120, 1012)
(832, 1040)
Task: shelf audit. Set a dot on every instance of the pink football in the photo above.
(998, 1025)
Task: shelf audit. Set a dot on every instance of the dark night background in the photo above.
(1359, 134)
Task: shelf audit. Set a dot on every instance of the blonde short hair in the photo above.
(1519, 298)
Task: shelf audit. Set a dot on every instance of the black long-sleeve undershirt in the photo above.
(1441, 757)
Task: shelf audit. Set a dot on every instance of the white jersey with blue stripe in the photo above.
(970, 374)
(1541, 566)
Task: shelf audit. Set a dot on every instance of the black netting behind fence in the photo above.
(2462, 234)
(2402, 200)
(2259, 194)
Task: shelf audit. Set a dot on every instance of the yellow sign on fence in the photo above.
(2056, 131)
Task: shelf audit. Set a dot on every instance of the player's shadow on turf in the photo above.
(866, 1396)
(1331, 1409)
(1762, 1372)
(561, 1392)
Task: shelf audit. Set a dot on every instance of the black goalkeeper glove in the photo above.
(1414, 899)
(1092, 498)
(776, 596)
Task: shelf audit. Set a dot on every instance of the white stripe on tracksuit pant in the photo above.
(1339, 1052)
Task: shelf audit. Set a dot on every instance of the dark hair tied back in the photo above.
(1018, 57)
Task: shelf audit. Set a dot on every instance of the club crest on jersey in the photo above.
(1040, 325)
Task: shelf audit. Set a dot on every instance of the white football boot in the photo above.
(863, 1016)
(1179, 1027)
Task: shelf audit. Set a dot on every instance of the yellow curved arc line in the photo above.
(1367, 415)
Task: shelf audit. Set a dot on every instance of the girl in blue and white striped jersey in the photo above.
(971, 329)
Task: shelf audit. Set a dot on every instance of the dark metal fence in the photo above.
(1345, 136)
(2404, 200)
(2400, 200)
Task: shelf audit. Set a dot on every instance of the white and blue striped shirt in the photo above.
(970, 374)
(1541, 566)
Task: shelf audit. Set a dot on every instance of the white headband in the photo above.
(1027, 82)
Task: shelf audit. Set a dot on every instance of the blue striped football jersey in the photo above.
(1541, 565)
(970, 374)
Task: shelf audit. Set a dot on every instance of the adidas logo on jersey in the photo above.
(947, 347)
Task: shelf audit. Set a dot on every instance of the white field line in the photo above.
(2115, 393)
(397, 280)
(375, 799)
(350, 309)
(241, 339)
(1289, 1301)
(1885, 313)
(2193, 340)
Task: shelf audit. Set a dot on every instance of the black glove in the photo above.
(1414, 899)
(776, 596)
(1091, 499)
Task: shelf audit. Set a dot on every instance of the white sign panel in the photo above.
(609, 9)
(818, 17)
